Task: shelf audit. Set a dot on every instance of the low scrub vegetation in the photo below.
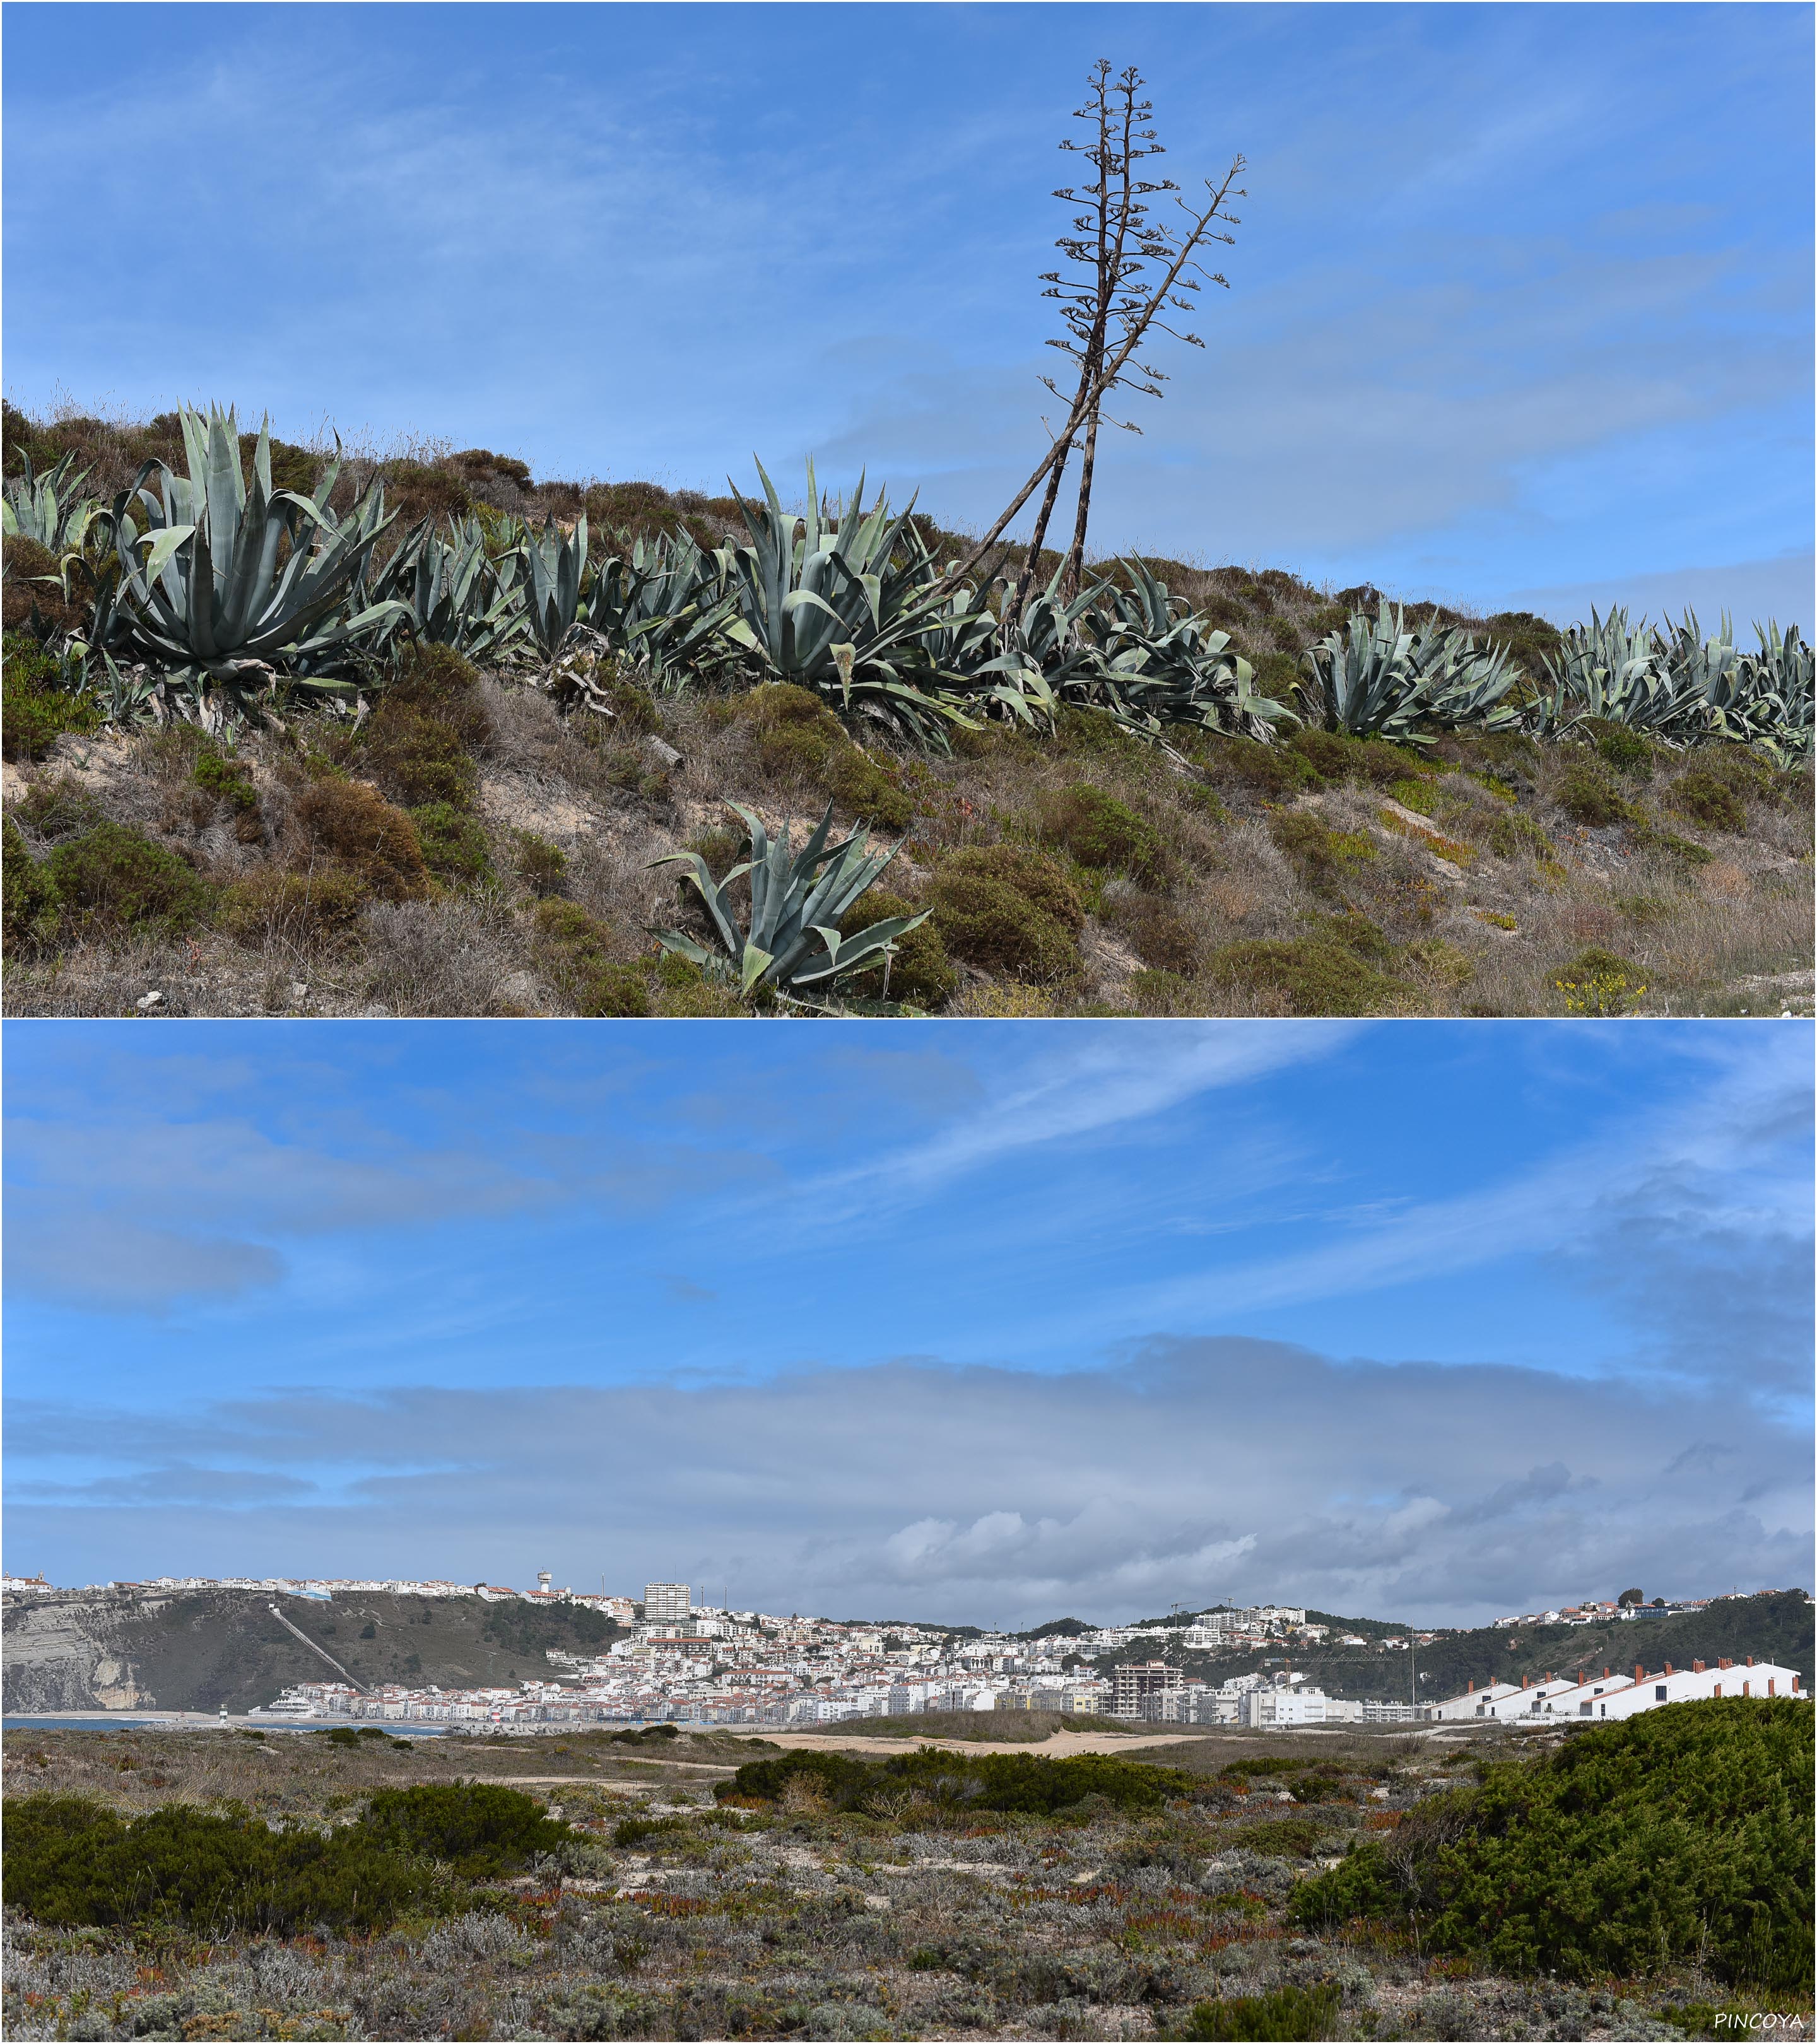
(821, 1894)
(467, 780)
(1682, 1834)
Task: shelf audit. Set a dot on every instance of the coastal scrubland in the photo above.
(1646, 1880)
(1136, 812)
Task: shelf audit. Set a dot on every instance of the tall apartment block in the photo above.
(667, 1603)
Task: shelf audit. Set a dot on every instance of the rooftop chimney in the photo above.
(1725, 1662)
(1696, 1667)
(1523, 1681)
(1605, 1674)
(1669, 1667)
(1639, 1673)
(1750, 1660)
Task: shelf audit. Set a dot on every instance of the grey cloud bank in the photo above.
(1199, 1469)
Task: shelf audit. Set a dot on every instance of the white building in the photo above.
(1559, 1699)
(667, 1603)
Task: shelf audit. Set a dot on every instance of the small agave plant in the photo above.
(797, 901)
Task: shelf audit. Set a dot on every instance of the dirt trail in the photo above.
(1058, 1746)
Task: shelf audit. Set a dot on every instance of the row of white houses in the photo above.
(1567, 1698)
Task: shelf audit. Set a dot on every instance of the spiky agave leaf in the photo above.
(797, 899)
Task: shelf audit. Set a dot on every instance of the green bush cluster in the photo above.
(1587, 796)
(228, 779)
(35, 710)
(799, 742)
(1028, 1784)
(1010, 909)
(1299, 2014)
(573, 949)
(1323, 856)
(1097, 831)
(921, 974)
(1681, 1836)
(72, 1862)
(455, 847)
(369, 839)
(1712, 799)
(1335, 969)
(479, 1828)
(107, 880)
(1621, 748)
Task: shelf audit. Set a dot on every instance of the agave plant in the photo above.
(553, 566)
(227, 579)
(667, 607)
(1611, 671)
(1376, 679)
(839, 607)
(1164, 664)
(1765, 699)
(797, 901)
(452, 594)
(48, 510)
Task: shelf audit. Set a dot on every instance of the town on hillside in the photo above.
(663, 1657)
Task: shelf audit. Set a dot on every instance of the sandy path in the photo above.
(1060, 1745)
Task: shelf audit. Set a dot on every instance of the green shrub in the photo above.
(1621, 748)
(634, 1831)
(1316, 974)
(417, 760)
(1680, 1836)
(1710, 799)
(1587, 796)
(1294, 2013)
(1276, 771)
(1159, 938)
(69, 1862)
(35, 711)
(1323, 856)
(1026, 1783)
(1599, 982)
(799, 742)
(1008, 909)
(455, 847)
(1095, 734)
(228, 779)
(113, 879)
(1337, 756)
(419, 744)
(1508, 832)
(478, 1827)
(33, 905)
(1099, 832)
(1158, 993)
(369, 838)
(619, 991)
(920, 974)
(573, 949)
(542, 864)
(277, 904)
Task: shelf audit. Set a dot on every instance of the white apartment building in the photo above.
(1532, 1705)
(666, 1605)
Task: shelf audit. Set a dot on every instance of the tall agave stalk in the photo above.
(797, 901)
(228, 579)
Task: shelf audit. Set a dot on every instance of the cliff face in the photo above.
(117, 1649)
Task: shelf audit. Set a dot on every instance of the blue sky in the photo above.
(985, 1322)
(1520, 304)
